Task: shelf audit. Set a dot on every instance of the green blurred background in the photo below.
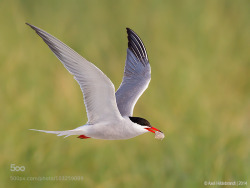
(199, 95)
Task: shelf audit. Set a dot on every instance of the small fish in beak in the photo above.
(159, 135)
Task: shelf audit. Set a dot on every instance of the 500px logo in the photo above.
(13, 167)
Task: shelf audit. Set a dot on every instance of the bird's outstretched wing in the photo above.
(98, 91)
(137, 75)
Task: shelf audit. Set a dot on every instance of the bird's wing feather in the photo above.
(98, 91)
(137, 75)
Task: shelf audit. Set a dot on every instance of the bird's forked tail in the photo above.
(63, 133)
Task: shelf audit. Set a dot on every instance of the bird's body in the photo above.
(109, 130)
(109, 113)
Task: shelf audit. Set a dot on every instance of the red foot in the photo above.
(83, 137)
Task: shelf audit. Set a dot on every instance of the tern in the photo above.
(110, 113)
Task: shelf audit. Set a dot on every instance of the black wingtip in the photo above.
(128, 29)
(136, 45)
(28, 24)
(32, 26)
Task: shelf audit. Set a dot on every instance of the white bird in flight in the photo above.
(109, 112)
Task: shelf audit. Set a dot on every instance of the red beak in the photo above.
(152, 129)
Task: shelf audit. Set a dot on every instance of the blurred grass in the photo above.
(199, 94)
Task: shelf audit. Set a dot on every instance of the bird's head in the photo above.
(146, 125)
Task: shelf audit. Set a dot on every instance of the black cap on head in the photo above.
(140, 121)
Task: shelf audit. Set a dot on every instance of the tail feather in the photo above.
(61, 133)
